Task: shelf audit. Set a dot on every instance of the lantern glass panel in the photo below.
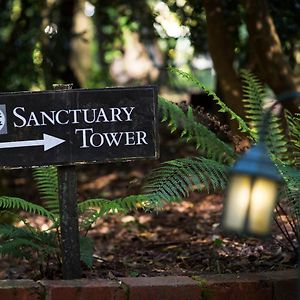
(237, 202)
(263, 198)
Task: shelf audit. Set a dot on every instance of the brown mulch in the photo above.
(181, 239)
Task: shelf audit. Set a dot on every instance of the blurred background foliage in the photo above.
(95, 44)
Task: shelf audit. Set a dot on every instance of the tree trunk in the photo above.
(222, 52)
(67, 13)
(57, 49)
(270, 63)
(103, 39)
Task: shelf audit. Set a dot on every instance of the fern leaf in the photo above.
(291, 176)
(205, 139)
(105, 206)
(223, 107)
(16, 247)
(254, 95)
(86, 250)
(47, 183)
(8, 231)
(175, 179)
(18, 203)
(253, 101)
(277, 142)
(294, 133)
(116, 205)
(21, 242)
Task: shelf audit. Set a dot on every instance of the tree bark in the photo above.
(67, 13)
(270, 63)
(57, 50)
(221, 48)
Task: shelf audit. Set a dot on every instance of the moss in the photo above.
(206, 293)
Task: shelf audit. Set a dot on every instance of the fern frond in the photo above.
(277, 142)
(294, 133)
(223, 107)
(86, 250)
(16, 247)
(106, 206)
(205, 139)
(18, 203)
(294, 127)
(114, 206)
(291, 176)
(47, 183)
(254, 95)
(175, 179)
(20, 242)
(10, 231)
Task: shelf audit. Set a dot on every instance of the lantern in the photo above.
(251, 193)
(253, 185)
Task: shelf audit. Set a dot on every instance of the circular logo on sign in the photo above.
(2, 120)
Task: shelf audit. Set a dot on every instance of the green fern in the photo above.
(242, 126)
(17, 247)
(47, 184)
(105, 206)
(18, 203)
(114, 206)
(294, 133)
(254, 95)
(86, 250)
(9, 231)
(21, 242)
(171, 182)
(175, 179)
(291, 188)
(205, 139)
(294, 127)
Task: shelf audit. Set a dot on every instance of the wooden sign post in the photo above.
(67, 127)
(68, 212)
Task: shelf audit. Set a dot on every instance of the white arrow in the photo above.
(48, 142)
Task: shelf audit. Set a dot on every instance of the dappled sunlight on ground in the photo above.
(181, 239)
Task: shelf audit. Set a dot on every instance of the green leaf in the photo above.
(47, 182)
(175, 179)
(205, 139)
(86, 250)
(18, 203)
(223, 107)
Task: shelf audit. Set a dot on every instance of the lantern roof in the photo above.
(256, 162)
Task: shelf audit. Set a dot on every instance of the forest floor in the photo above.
(181, 239)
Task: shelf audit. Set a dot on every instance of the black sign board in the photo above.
(69, 127)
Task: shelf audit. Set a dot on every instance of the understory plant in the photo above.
(172, 181)
(208, 171)
(42, 247)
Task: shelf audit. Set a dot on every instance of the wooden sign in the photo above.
(69, 127)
